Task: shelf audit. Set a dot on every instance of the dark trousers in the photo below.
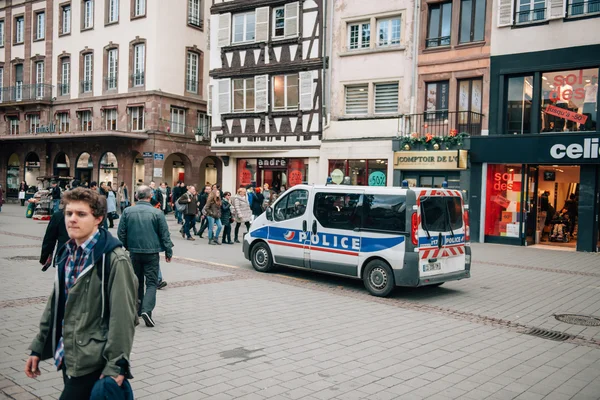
(203, 226)
(22, 202)
(227, 233)
(110, 220)
(146, 267)
(79, 387)
(190, 223)
(237, 228)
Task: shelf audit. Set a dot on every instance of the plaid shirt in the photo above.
(77, 260)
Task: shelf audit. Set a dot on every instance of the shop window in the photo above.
(530, 11)
(431, 181)
(357, 99)
(518, 105)
(436, 100)
(472, 21)
(246, 171)
(440, 23)
(569, 100)
(293, 205)
(359, 172)
(359, 36)
(503, 200)
(338, 210)
(385, 213)
(285, 92)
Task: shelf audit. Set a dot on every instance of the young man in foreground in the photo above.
(89, 321)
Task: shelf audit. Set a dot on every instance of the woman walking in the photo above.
(123, 196)
(22, 192)
(241, 212)
(111, 207)
(213, 214)
(226, 218)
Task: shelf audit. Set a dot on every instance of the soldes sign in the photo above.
(566, 94)
(589, 150)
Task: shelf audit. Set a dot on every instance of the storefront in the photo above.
(32, 169)
(359, 172)
(84, 168)
(279, 173)
(536, 178)
(109, 169)
(12, 176)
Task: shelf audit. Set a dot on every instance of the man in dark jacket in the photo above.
(178, 191)
(202, 197)
(144, 232)
(56, 236)
(190, 199)
(90, 335)
(55, 192)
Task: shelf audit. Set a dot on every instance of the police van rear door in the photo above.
(335, 236)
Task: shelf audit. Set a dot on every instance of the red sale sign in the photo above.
(566, 114)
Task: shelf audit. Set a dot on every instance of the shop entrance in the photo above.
(551, 204)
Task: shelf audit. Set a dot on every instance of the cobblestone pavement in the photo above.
(225, 331)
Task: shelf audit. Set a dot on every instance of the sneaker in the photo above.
(237, 241)
(162, 285)
(230, 242)
(216, 242)
(148, 320)
(210, 241)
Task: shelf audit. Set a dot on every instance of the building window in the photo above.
(470, 93)
(14, 125)
(86, 120)
(386, 98)
(285, 92)
(357, 99)
(279, 22)
(139, 8)
(192, 72)
(137, 118)
(40, 26)
(285, 20)
(65, 76)
(63, 122)
(88, 69)
(472, 21)
(88, 14)
(440, 23)
(112, 67)
(112, 11)
(194, 16)
(582, 7)
(18, 93)
(518, 104)
(2, 33)
(19, 29)
(244, 27)
(436, 100)
(39, 79)
(243, 95)
(139, 55)
(204, 125)
(177, 120)
(110, 119)
(388, 31)
(66, 19)
(34, 122)
(359, 36)
(530, 11)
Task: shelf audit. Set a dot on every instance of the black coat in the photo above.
(56, 235)
(225, 212)
(257, 202)
(55, 191)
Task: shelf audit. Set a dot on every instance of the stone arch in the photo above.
(108, 169)
(32, 168)
(211, 170)
(62, 168)
(13, 167)
(177, 166)
(84, 168)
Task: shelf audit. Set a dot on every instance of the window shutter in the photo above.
(505, 12)
(291, 19)
(260, 90)
(306, 91)
(557, 9)
(224, 96)
(357, 99)
(262, 24)
(224, 29)
(386, 98)
(209, 106)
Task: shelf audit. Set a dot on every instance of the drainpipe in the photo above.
(415, 53)
(328, 45)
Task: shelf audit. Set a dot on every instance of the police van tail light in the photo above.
(467, 226)
(414, 231)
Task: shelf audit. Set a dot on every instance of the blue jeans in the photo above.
(179, 216)
(211, 222)
(55, 204)
(190, 222)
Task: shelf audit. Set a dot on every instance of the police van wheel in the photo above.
(379, 278)
(261, 258)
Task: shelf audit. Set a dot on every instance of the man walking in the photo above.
(144, 232)
(89, 321)
(189, 198)
(202, 202)
(178, 191)
(55, 192)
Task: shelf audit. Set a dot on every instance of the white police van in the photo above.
(386, 236)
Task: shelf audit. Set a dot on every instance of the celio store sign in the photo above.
(588, 150)
(431, 160)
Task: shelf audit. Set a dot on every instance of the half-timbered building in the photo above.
(266, 83)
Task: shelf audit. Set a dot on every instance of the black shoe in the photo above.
(237, 241)
(162, 285)
(148, 320)
(230, 242)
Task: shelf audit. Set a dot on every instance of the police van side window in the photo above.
(293, 205)
(338, 210)
(384, 212)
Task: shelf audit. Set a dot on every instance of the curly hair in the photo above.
(213, 197)
(96, 201)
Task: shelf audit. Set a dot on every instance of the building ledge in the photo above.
(75, 135)
(376, 50)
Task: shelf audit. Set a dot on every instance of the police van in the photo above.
(386, 236)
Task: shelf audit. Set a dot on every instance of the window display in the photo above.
(360, 172)
(518, 105)
(503, 194)
(569, 100)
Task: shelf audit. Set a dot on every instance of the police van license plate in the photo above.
(432, 267)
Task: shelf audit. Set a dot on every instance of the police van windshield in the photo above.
(441, 214)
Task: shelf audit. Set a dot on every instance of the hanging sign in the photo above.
(566, 114)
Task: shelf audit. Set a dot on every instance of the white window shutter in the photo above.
(291, 19)
(260, 93)
(262, 24)
(505, 12)
(209, 106)
(556, 9)
(225, 96)
(306, 91)
(224, 29)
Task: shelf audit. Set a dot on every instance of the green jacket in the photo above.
(99, 317)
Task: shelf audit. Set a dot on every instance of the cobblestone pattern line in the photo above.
(543, 269)
(11, 390)
(21, 235)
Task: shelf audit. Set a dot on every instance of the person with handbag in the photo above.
(226, 218)
(111, 208)
(190, 199)
(22, 192)
(213, 215)
(241, 212)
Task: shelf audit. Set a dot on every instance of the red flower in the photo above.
(428, 137)
(453, 132)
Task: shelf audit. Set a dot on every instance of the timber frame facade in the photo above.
(266, 74)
